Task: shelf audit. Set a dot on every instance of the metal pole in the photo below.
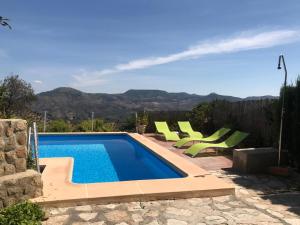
(281, 58)
(136, 122)
(29, 141)
(45, 120)
(36, 153)
(92, 121)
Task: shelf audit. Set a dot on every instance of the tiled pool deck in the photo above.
(58, 188)
(259, 199)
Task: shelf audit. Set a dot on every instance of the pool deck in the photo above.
(59, 190)
(207, 160)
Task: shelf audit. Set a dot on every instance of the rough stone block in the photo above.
(25, 181)
(20, 186)
(37, 181)
(38, 192)
(2, 157)
(3, 193)
(9, 169)
(10, 157)
(21, 138)
(15, 191)
(10, 144)
(8, 181)
(20, 125)
(20, 164)
(2, 170)
(254, 160)
(9, 131)
(2, 144)
(1, 128)
(21, 152)
(28, 190)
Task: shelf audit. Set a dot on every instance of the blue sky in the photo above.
(230, 47)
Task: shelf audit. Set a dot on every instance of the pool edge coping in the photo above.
(138, 189)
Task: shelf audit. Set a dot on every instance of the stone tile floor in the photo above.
(260, 199)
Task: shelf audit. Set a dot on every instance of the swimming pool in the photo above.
(106, 158)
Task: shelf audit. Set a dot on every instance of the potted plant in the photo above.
(142, 122)
(281, 169)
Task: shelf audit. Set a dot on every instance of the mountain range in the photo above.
(71, 104)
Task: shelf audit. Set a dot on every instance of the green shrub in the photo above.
(59, 126)
(99, 126)
(30, 160)
(129, 125)
(25, 213)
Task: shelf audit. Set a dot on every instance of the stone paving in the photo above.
(259, 199)
(278, 197)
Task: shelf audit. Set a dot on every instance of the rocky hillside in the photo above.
(71, 104)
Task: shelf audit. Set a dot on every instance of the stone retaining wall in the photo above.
(16, 183)
(20, 186)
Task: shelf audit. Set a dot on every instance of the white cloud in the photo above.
(38, 81)
(242, 42)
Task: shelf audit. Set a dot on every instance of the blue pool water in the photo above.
(106, 158)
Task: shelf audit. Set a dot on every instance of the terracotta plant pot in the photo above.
(279, 171)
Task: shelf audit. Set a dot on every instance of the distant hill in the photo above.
(259, 97)
(72, 104)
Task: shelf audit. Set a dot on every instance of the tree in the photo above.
(291, 125)
(16, 96)
(4, 22)
(202, 117)
(129, 124)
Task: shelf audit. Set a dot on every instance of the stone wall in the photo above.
(13, 149)
(16, 183)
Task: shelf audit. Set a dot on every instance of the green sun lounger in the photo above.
(234, 139)
(162, 127)
(214, 137)
(186, 127)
